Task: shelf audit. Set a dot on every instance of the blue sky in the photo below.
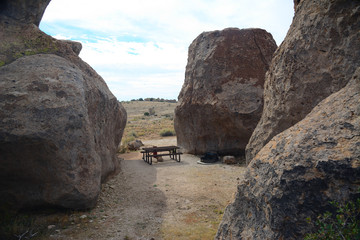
(140, 47)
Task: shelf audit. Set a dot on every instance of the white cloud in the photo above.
(139, 45)
(120, 54)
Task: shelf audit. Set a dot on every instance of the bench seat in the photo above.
(165, 154)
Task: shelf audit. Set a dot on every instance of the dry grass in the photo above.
(138, 108)
(199, 225)
(144, 127)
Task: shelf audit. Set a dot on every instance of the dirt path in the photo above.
(167, 200)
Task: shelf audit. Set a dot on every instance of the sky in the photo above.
(140, 47)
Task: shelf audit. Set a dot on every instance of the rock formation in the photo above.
(222, 97)
(316, 59)
(59, 123)
(135, 145)
(23, 12)
(299, 171)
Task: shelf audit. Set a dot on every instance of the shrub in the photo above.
(124, 144)
(146, 114)
(152, 111)
(133, 134)
(344, 225)
(14, 225)
(167, 133)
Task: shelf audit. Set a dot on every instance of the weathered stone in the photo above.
(299, 171)
(296, 2)
(316, 59)
(59, 123)
(58, 134)
(18, 40)
(221, 100)
(229, 160)
(75, 46)
(23, 11)
(135, 145)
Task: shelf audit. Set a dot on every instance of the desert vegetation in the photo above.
(154, 100)
(148, 119)
(344, 223)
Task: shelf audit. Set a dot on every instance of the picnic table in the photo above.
(150, 152)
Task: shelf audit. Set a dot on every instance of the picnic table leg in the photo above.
(150, 162)
(171, 154)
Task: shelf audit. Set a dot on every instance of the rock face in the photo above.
(222, 97)
(24, 11)
(59, 123)
(316, 59)
(299, 171)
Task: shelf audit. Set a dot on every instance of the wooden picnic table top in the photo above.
(159, 149)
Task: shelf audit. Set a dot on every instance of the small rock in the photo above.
(51, 226)
(135, 145)
(229, 160)
(83, 216)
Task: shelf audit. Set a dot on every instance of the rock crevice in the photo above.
(313, 62)
(304, 153)
(298, 173)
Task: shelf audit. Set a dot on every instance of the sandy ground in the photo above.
(167, 200)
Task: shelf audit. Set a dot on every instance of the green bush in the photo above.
(167, 133)
(146, 114)
(344, 225)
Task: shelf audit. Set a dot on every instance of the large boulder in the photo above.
(60, 125)
(316, 59)
(221, 99)
(298, 173)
